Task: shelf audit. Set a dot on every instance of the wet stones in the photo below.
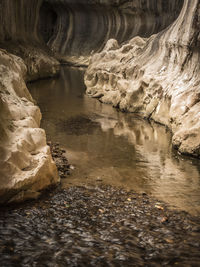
(78, 125)
(97, 226)
(60, 159)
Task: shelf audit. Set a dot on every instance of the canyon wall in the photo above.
(19, 36)
(26, 165)
(81, 27)
(157, 77)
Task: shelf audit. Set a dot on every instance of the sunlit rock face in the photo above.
(26, 166)
(157, 77)
(78, 27)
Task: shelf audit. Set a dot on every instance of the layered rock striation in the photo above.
(157, 77)
(19, 35)
(79, 27)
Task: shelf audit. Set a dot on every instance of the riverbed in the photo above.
(97, 226)
(108, 146)
(108, 210)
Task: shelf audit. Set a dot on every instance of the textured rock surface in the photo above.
(26, 165)
(156, 77)
(37, 60)
(81, 26)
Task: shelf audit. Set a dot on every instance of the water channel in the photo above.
(105, 145)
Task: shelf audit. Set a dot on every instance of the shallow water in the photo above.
(108, 146)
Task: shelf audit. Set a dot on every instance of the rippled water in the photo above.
(113, 147)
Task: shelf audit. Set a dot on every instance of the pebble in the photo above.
(61, 161)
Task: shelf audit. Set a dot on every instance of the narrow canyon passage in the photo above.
(112, 147)
(99, 133)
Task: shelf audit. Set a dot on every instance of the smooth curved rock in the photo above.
(78, 27)
(157, 78)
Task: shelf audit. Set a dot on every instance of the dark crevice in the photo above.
(47, 22)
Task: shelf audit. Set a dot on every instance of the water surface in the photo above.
(108, 146)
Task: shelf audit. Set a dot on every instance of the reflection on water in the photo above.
(117, 148)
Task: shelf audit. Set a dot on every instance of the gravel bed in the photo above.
(97, 226)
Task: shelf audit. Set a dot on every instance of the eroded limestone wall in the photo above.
(157, 78)
(79, 27)
(26, 165)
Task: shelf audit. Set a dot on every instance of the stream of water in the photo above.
(105, 145)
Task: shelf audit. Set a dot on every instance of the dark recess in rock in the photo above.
(47, 22)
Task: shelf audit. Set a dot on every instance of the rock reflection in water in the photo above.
(117, 148)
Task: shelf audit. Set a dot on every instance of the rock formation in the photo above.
(157, 77)
(78, 27)
(26, 165)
